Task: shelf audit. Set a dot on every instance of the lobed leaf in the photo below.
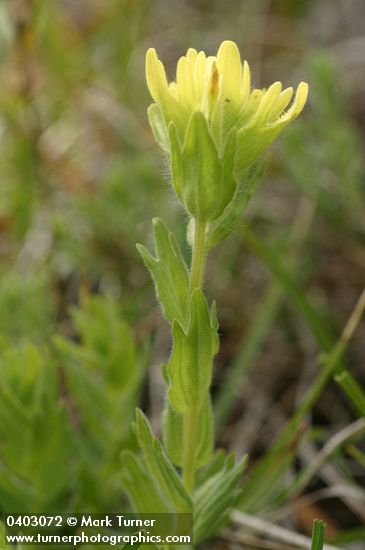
(160, 468)
(214, 498)
(169, 273)
(141, 488)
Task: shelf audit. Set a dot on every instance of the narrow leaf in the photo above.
(215, 497)
(319, 529)
(140, 487)
(159, 466)
(353, 390)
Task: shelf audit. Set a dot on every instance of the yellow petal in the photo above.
(155, 75)
(229, 65)
(184, 81)
(199, 72)
(191, 56)
(173, 90)
(267, 103)
(210, 88)
(281, 104)
(301, 97)
(246, 82)
(298, 103)
(250, 107)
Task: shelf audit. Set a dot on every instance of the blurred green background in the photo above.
(81, 178)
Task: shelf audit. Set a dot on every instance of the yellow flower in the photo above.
(211, 105)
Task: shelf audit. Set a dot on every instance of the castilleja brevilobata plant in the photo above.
(214, 129)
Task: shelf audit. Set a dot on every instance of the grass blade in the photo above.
(319, 529)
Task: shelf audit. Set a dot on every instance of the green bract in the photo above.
(212, 126)
(203, 179)
(169, 273)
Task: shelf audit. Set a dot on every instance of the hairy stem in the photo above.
(190, 436)
(199, 256)
(191, 418)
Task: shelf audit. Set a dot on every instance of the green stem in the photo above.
(190, 435)
(191, 418)
(199, 256)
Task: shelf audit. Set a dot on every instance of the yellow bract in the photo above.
(213, 125)
(220, 87)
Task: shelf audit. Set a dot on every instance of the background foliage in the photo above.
(81, 337)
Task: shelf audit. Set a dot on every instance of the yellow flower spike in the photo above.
(219, 89)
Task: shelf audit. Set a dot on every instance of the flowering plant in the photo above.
(214, 129)
(212, 125)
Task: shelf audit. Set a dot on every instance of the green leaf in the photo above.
(319, 529)
(102, 375)
(222, 227)
(141, 488)
(190, 365)
(169, 273)
(2, 536)
(158, 126)
(176, 160)
(173, 424)
(151, 480)
(215, 465)
(160, 468)
(107, 344)
(214, 498)
(35, 433)
(229, 182)
(353, 390)
(252, 143)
